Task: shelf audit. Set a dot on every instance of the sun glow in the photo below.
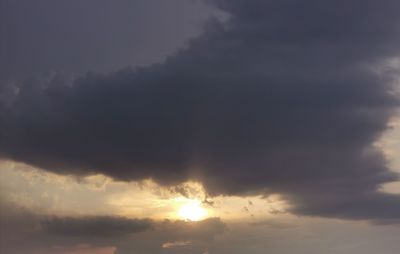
(192, 211)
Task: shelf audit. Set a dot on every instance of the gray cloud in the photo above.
(188, 237)
(99, 226)
(96, 35)
(21, 232)
(43, 234)
(282, 98)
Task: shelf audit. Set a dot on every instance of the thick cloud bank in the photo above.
(284, 97)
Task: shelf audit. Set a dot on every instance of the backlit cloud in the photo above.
(282, 98)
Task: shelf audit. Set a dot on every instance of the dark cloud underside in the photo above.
(284, 97)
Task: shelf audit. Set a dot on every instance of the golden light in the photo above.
(192, 211)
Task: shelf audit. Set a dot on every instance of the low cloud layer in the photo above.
(100, 226)
(285, 97)
(101, 234)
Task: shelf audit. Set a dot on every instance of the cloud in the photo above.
(273, 224)
(186, 230)
(99, 226)
(284, 98)
(100, 234)
(177, 244)
(74, 27)
(21, 232)
(178, 237)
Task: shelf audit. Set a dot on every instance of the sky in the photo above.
(199, 126)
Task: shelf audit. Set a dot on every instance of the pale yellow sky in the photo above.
(48, 193)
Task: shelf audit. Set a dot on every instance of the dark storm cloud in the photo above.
(99, 226)
(285, 97)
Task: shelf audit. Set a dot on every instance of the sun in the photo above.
(192, 211)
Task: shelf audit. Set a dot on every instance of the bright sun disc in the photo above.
(192, 211)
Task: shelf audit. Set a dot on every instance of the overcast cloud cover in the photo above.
(43, 36)
(285, 97)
